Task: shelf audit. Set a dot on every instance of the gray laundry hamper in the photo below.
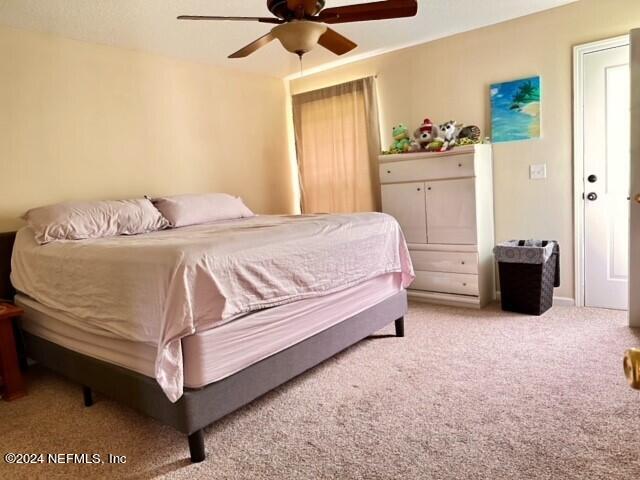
(529, 271)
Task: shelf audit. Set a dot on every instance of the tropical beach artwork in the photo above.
(515, 110)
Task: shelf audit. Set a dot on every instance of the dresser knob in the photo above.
(464, 284)
(388, 171)
(463, 262)
(419, 189)
(459, 165)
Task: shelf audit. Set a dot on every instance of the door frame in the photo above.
(579, 53)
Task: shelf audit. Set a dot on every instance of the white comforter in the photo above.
(160, 287)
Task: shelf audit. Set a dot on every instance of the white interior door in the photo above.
(405, 202)
(634, 271)
(606, 177)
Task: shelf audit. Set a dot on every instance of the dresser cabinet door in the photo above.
(405, 202)
(451, 212)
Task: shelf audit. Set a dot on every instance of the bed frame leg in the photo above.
(196, 446)
(88, 396)
(400, 327)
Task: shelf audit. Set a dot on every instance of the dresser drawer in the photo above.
(448, 262)
(427, 169)
(458, 283)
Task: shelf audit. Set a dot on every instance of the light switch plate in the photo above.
(538, 171)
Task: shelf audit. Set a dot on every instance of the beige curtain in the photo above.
(337, 142)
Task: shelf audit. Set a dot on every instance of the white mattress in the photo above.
(214, 354)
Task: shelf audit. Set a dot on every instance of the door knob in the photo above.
(593, 196)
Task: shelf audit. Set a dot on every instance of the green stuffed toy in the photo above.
(401, 141)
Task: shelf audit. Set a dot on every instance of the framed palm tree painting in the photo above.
(515, 110)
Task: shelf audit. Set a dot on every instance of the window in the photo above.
(337, 142)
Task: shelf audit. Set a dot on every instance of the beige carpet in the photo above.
(466, 395)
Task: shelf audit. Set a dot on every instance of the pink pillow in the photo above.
(82, 220)
(183, 210)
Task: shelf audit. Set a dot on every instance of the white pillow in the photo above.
(193, 209)
(82, 220)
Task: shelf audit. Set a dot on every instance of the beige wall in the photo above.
(450, 78)
(84, 121)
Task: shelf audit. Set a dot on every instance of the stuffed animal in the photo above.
(435, 146)
(401, 142)
(417, 140)
(448, 134)
(426, 133)
(469, 135)
(415, 144)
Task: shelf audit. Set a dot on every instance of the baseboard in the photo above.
(557, 301)
(473, 302)
(564, 301)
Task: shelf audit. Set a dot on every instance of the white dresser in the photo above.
(444, 204)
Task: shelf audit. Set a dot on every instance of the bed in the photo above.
(187, 325)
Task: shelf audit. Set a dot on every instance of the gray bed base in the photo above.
(198, 408)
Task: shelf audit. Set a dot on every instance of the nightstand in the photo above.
(13, 383)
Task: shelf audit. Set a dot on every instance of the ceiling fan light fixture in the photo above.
(299, 36)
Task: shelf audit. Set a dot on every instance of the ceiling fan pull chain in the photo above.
(301, 71)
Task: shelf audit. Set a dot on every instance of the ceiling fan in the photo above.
(301, 24)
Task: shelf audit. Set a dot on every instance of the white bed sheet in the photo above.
(214, 354)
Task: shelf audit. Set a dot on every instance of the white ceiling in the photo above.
(151, 25)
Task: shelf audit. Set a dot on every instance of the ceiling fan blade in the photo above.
(310, 6)
(338, 44)
(253, 46)
(234, 19)
(370, 11)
